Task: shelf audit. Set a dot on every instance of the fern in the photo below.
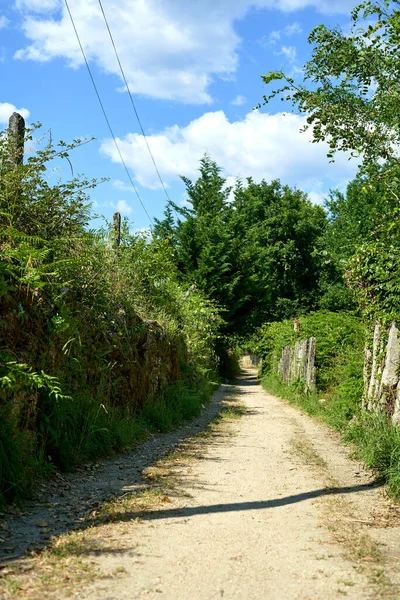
(16, 377)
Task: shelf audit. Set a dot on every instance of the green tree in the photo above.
(277, 229)
(250, 249)
(202, 238)
(90, 336)
(350, 93)
(350, 90)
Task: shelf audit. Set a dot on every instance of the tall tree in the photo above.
(251, 250)
(350, 93)
(278, 229)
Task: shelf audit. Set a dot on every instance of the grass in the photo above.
(82, 429)
(135, 503)
(64, 564)
(174, 406)
(377, 443)
(339, 388)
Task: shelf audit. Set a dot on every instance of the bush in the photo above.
(336, 333)
(92, 338)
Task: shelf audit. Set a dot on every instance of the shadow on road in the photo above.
(71, 498)
(242, 506)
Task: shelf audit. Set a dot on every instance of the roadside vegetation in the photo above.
(349, 93)
(336, 400)
(98, 345)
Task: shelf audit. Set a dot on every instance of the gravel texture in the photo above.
(63, 503)
(273, 509)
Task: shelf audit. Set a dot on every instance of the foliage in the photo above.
(91, 337)
(251, 249)
(350, 94)
(356, 217)
(378, 445)
(374, 274)
(350, 88)
(336, 334)
(202, 241)
(361, 245)
(337, 398)
(279, 229)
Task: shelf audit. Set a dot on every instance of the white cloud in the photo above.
(170, 49)
(143, 231)
(290, 53)
(37, 6)
(121, 185)
(123, 207)
(7, 109)
(317, 197)
(3, 22)
(274, 37)
(261, 145)
(293, 29)
(315, 190)
(239, 100)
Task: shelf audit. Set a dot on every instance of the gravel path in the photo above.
(62, 504)
(272, 509)
(276, 511)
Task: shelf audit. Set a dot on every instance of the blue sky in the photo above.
(193, 68)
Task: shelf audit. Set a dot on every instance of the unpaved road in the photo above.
(258, 523)
(273, 509)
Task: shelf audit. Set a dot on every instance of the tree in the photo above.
(350, 93)
(350, 90)
(250, 251)
(278, 229)
(202, 239)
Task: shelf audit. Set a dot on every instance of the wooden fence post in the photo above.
(16, 137)
(117, 229)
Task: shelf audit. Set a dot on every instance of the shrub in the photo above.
(92, 338)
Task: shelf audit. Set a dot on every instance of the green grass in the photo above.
(17, 466)
(175, 406)
(378, 445)
(81, 429)
(337, 398)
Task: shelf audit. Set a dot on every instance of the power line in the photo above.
(134, 106)
(104, 112)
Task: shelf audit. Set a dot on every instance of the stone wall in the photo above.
(297, 363)
(381, 373)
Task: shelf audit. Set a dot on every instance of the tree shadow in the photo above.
(125, 475)
(192, 511)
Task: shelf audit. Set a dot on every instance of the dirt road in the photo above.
(274, 511)
(266, 507)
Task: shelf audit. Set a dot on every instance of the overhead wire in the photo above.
(134, 106)
(105, 113)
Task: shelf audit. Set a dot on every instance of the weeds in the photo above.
(377, 443)
(97, 346)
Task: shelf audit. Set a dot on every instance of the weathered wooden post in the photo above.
(16, 138)
(117, 229)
